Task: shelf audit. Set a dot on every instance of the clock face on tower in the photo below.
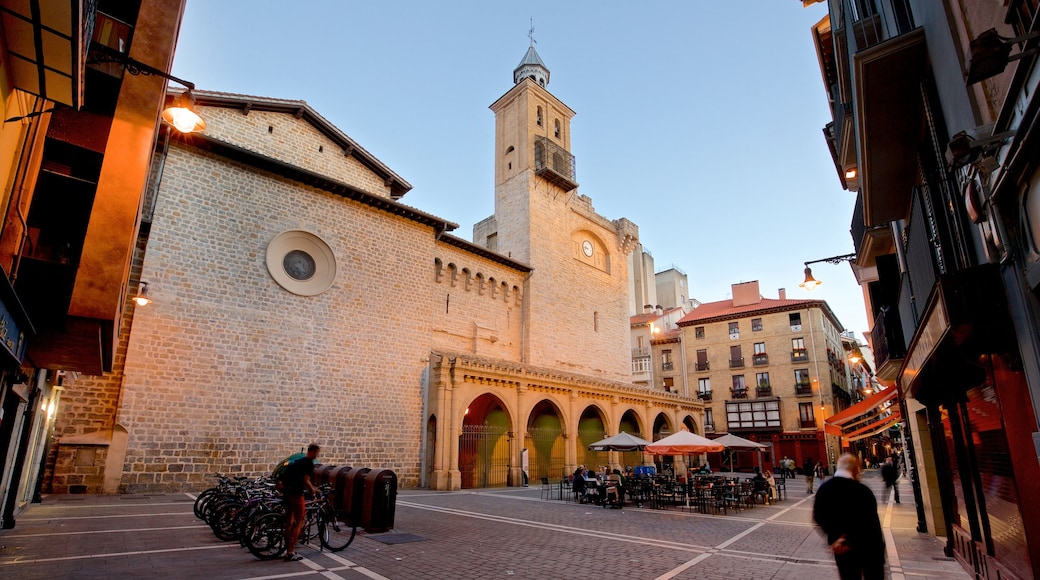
(586, 247)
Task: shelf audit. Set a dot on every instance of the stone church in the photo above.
(295, 298)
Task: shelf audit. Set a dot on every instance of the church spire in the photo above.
(531, 66)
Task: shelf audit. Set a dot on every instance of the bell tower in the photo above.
(576, 299)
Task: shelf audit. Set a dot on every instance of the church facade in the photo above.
(296, 299)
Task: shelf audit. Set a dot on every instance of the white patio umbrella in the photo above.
(620, 442)
(733, 442)
(683, 443)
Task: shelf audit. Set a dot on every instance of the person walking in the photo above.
(808, 469)
(295, 481)
(890, 473)
(846, 512)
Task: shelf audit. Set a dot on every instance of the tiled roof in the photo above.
(651, 316)
(724, 309)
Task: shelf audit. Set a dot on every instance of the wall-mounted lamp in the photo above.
(851, 173)
(142, 298)
(811, 283)
(991, 53)
(181, 113)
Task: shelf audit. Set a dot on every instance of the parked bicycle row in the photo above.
(252, 512)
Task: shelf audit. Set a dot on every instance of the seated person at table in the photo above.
(578, 485)
(771, 484)
(761, 485)
(615, 487)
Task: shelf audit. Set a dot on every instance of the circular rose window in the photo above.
(301, 262)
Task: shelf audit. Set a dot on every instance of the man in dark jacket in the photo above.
(808, 470)
(846, 511)
(890, 473)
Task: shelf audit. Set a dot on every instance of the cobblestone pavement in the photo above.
(502, 533)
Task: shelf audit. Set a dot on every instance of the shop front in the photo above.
(963, 366)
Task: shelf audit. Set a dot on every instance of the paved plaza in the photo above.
(498, 533)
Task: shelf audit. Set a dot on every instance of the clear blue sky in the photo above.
(700, 121)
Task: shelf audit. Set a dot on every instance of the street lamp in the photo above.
(811, 283)
(181, 113)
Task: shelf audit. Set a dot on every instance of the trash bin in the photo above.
(380, 500)
(350, 489)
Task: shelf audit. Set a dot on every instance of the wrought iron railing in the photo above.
(554, 163)
(802, 389)
(736, 363)
(760, 359)
(703, 366)
(739, 393)
(799, 355)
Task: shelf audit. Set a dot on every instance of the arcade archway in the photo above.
(484, 444)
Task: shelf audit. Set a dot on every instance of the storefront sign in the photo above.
(932, 331)
(12, 337)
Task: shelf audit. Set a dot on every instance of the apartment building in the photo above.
(82, 84)
(768, 369)
(933, 131)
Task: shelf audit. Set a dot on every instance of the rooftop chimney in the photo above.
(783, 293)
(746, 293)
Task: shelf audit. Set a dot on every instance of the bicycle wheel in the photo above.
(203, 499)
(265, 537)
(224, 521)
(335, 529)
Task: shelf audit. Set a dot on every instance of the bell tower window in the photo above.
(539, 116)
(556, 128)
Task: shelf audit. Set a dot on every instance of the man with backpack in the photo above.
(295, 481)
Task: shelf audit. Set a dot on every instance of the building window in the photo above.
(760, 358)
(760, 348)
(669, 384)
(796, 321)
(753, 415)
(556, 128)
(698, 332)
(798, 352)
(756, 324)
(702, 360)
(736, 358)
(704, 387)
(709, 419)
(539, 116)
(802, 383)
(762, 380)
(739, 390)
(666, 360)
(806, 419)
(734, 330)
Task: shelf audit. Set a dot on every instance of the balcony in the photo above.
(736, 363)
(803, 424)
(803, 389)
(641, 368)
(554, 164)
(667, 366)
(709, 426)
(739, 393)
(799, 355)
(702, 367)
(640, 351)
(760, 359)
(887, 339)
(764, 391)
(869, 242)
(704, 395)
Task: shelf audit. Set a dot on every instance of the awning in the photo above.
(874, 428)
(834, 423)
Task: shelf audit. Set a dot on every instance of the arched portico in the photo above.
(483, 413)
(484, 451)
(592, 427)
(545, 442)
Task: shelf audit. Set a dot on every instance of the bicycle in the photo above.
(334, 530)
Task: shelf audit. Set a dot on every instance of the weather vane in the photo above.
(530, 33)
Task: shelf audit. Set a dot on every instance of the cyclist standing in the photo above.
(295, 480)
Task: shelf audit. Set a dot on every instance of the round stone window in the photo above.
(301, 262)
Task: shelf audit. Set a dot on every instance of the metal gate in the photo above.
(591, 459)
(548, 458)
(484, 456)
